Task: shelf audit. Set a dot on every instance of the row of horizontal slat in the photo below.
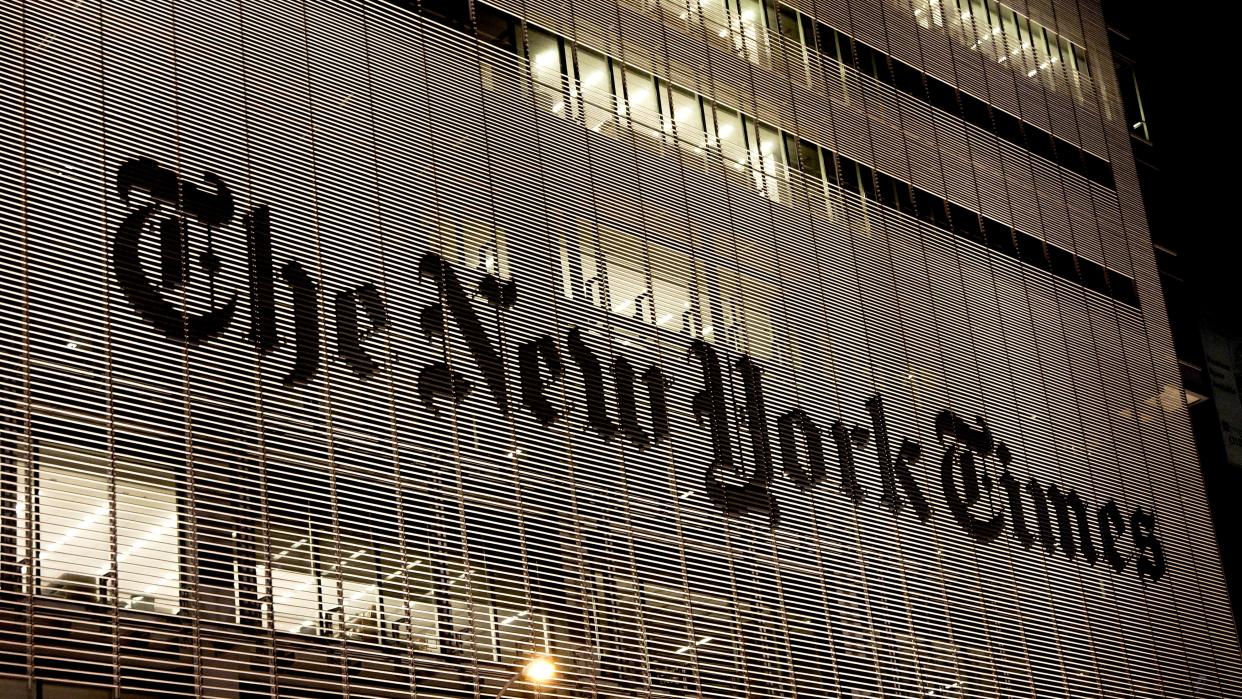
(371, 135)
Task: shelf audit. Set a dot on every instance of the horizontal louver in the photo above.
(352, 351)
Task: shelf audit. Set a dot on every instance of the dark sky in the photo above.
(1189, 102)
(1190, 95)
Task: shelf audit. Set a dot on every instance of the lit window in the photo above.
(730, 138)
(644, 102)
(595, 79)
(546, 70)
(688, 117)
(75, 559)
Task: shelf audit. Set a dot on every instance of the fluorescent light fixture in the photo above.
(85, 523)
(701, 641)
(509, 620)
(284, 553)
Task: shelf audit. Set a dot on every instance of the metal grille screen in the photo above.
(338, 359)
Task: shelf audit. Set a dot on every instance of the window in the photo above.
(618, 266)
(762, 154)
(1132, 100)
(744, 304)
(1031, 250)
(547, 70)
(642, 96)
(497, 28)
(768, 152)
(748, 29)
(595, 79)
(929, 13)
(985, 24)
(476, 244)
(349, 579)
(731, 139)
(688, 119)
(74, 507)
(966, 223)
(454, 13)
(895, 193)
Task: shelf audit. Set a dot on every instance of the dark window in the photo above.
(808, 158)
(1062, 263)
(966, 223)
(791, 149)
(942, 96)
(975, 111)
(808, 30)
(831, 169)
(895, 193)
(771, 13)
(1069, 157)
(931, 209)
(1008, 126)
(849, 175)
(454, 13)
(1123, 288)
(873, 63)
(1099, 170)
(1132, 99)
(884, 185)
(826, 41)
(866, 180)
(1080, 61)
(908, 79)
(1000, 237)
(496, 28)
(1169, 263)
(1031, 250)
(1093, 276)
(1040, 142)
(789, 24)
(1182, 319)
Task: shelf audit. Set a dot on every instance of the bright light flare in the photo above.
(540, 670)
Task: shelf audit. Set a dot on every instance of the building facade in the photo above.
(755, 349)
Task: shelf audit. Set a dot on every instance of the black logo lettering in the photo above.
(1149, 553)
(350, 334)
(1071, 514)
(438, 379)
(894, 472)
(788, 427)
(258, 225)
(847, 440)
(186, 201)
(530, 356)
(1112, 526)
(967, 447)
(710, 408)
(735, 488)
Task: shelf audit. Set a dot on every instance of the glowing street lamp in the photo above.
(539, 671)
